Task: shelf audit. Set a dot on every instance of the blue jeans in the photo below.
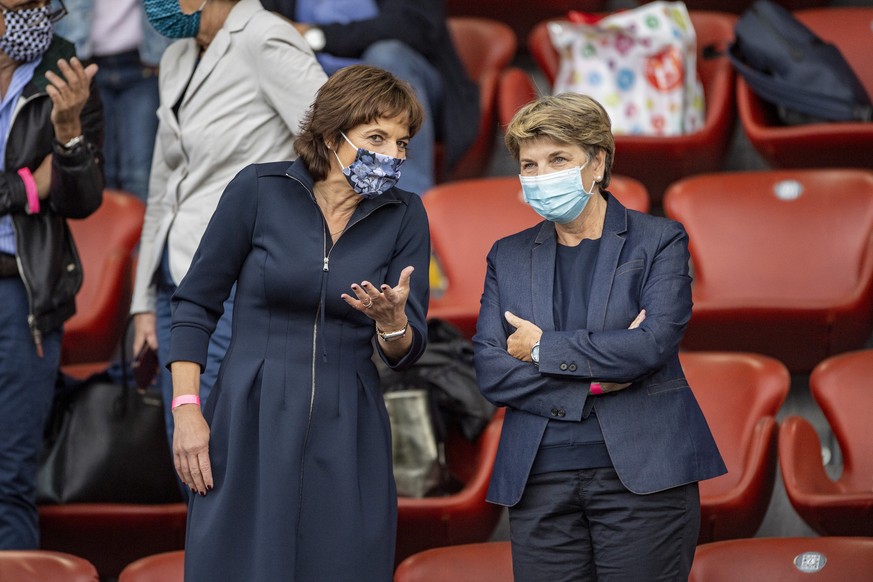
(218, 344)
(418, 173)
(129, 91)
(27, 384)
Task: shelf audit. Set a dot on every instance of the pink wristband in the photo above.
(31, 190)
(595, 388)
(186, 399)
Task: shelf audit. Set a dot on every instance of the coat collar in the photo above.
(543, 268)
(239, 17)
(300, 172)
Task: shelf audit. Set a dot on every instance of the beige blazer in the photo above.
(243, 104)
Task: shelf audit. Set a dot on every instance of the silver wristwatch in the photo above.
(390, 336)
(535, 353)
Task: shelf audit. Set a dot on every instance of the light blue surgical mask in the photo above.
(371, 174)
(167, 18)
(558, 197)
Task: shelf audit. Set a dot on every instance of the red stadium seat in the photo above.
(484, 562)
(659, 161)
(467, 217)
(43, 566)
(165, 567)
(485, 47)
(520, 14)
(740, 395)
(841, 387)
(457, 518)
(111, 536)
(784, 560)
(783, 261)
(105, 241)
(817, 145)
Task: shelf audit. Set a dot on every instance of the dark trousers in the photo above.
(27, 384)
(584, 525)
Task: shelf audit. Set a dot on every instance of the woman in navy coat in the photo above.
(578, 337)
(291, 458)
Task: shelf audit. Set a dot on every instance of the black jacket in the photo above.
(421, 24)
(47, 258)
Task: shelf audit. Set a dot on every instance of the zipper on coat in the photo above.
(35, 333)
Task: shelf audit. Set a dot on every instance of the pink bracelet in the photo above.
(595, 388)
(185, 399)
(31, 190)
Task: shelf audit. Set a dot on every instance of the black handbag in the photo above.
(106, 443)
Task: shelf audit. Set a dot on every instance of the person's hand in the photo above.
(69, 95)
(144, 331)
(43, 177)
(606, 387)
(191, 448)
(520, 342)
(385, 305)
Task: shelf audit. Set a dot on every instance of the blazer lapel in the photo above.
(542, 274)
(172, 92)
(611, 243)
(217, 48)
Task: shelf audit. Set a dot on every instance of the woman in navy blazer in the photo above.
(578, 336)
(291, 456)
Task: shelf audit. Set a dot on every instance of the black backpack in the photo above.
(786, 64)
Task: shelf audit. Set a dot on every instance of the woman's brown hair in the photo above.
(352, 96)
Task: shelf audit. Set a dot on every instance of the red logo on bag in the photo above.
(665, 70)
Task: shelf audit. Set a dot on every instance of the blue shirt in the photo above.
(20, 78)
(569, 445)
(335, 12)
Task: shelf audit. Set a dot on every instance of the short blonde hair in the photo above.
(568, 118)
(352, 96)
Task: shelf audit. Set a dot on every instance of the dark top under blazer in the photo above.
(300, 442)
(655, 431)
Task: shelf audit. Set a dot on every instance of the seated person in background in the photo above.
(409, 39)
(51, 130)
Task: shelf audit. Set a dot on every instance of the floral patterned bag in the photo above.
(641, 64)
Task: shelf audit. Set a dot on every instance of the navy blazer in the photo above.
(654, 430)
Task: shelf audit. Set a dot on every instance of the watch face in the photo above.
(535, 353)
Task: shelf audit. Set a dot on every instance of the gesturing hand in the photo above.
(526, 334)
(69, 95)
(385, 305)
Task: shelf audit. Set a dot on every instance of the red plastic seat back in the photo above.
(777, 239)
(45, 566)
(165, 567)
(843, 387)
(735, 390)
(485, 47)
(105, 241)
(485, 562)
(777, 559)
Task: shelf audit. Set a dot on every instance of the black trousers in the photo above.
(584, 525)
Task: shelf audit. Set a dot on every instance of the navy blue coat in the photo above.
(300, 442)
(654, 430)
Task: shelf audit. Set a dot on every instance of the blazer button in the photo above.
(563, 367)
(554, 412)
(562, 413)
(572, 367)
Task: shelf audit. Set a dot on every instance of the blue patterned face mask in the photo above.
(371, 174)
(558, 197)
(166, 17)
